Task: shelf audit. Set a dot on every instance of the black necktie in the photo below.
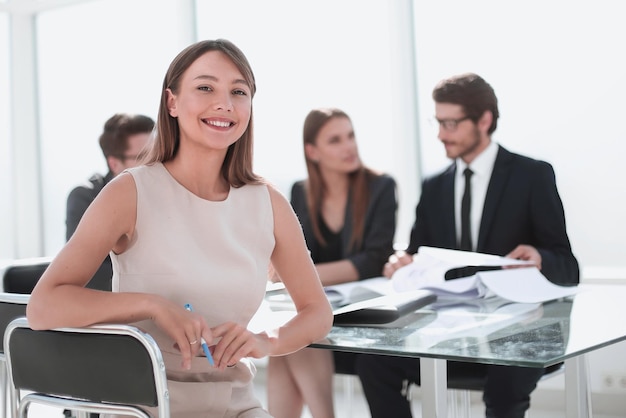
(466, 203)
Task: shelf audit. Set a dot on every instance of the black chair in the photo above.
(22, 275)
(19, 277)
(11, 306)
(104, 369)
(460, 386)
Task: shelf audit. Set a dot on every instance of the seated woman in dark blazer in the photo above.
(348, 215)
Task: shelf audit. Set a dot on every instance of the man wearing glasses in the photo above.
(122, 141)
(488, 200)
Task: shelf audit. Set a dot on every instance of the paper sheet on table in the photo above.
(266, 319)
(524, 285)
(358, 291)
(338, 295)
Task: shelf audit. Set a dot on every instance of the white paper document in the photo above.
(524, 285)
(338, 295)
(514, 280)
(358, 291)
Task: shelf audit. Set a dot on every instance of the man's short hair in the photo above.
(470, 91)
(114, 138)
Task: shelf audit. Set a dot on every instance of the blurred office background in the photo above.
(557, 67)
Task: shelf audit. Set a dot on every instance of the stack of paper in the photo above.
(511, 279)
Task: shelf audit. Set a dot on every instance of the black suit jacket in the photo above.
(379, 231)
(522, 206)
(78, 201)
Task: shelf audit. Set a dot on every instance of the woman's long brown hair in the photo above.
(316, 188)
(237, 166)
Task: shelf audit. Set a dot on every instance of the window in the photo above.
(114, 56)
(6, 175)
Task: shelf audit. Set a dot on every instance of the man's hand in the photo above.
(397, 260)
(526, 252)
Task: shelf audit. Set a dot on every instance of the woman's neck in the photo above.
(200, 174)
(337, 184)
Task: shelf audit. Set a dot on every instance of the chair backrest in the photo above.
(112, 366)
(11, 306)
(21, 275)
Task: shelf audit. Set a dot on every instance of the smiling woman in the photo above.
(194, 206)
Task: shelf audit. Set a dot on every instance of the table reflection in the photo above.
(492, 331)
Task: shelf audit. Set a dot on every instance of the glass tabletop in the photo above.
(495, 331)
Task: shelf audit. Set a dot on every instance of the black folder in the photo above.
(383, 309)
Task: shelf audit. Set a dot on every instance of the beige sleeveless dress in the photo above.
(213, 255)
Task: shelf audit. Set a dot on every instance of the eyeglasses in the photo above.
(449, 124)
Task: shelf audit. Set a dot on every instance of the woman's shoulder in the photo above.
(261, 189)
(298, 185)
(279, 201)
(382, 180)
(146, 170)
(298, 191)
(386, 178)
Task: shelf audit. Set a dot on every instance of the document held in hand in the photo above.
(486, 275)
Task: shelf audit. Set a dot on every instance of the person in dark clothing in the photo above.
(348, 216)
(515, 211)
(122, 141)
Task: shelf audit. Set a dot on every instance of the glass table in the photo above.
(494, 331)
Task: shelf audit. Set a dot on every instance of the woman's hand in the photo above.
(235, 343)
(184, 327)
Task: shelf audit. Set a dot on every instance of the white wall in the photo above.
(5, 147)
(557, 68)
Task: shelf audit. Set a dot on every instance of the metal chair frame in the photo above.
(11, 306)
(57, 368)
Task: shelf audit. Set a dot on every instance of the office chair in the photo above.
(11, 306)
(460, 387)
(104, 369)
(21, 275)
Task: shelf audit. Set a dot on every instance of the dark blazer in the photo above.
(78, 201)
(522, 206)
(379, 231)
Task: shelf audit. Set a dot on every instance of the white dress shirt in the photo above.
(482, 166)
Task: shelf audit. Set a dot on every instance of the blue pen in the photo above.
(205, 347)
